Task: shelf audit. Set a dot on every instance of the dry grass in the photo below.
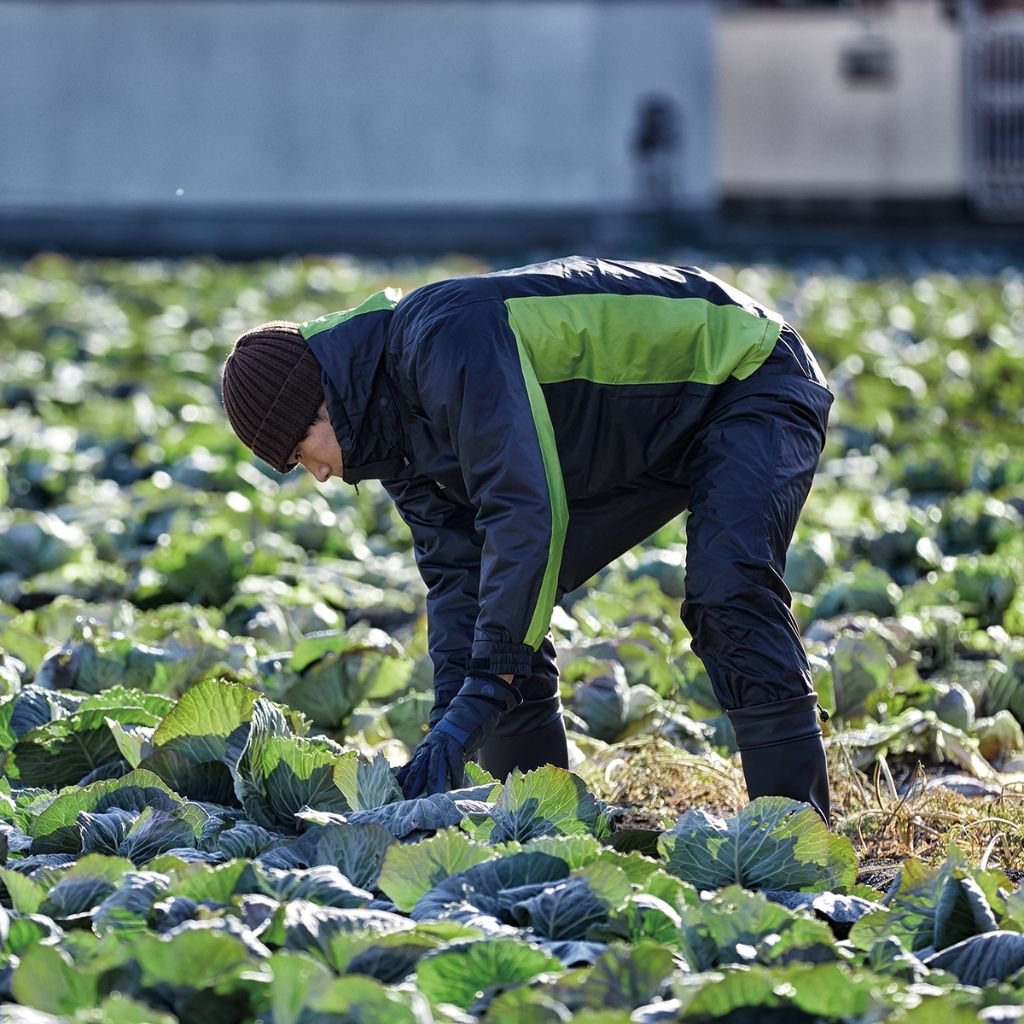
(658, 782)
(889, 815)
(893, 815)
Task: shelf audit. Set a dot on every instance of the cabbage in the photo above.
(38, 543)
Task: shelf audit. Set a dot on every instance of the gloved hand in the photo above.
(439, 762)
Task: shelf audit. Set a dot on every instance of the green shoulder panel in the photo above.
(640, 339)
(622, 339)
(386, 299)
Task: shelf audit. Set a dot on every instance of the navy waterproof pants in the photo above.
(743, 477)
(750, 469)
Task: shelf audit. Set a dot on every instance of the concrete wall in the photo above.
(362, 104)
(790, 125)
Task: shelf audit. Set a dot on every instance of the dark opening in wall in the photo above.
(868, 61)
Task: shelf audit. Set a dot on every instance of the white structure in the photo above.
(175, 107)
(253, 125)
(843, 103)
(995, 98)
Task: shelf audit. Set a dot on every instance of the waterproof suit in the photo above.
(534, 424)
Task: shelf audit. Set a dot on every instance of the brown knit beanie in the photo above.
(272, 391)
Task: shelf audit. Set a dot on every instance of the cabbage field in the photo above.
(207, 672)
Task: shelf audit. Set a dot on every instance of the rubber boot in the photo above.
(782, 751)
(500, 754)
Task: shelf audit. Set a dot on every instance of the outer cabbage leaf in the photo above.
(642, 918)
(278, 774)
(104, 833)
(914, 731)
(576, 851)
(297, 981)
(388, 958)
(202, 737)
(546, 801)
(406, 818)
(64, 751)
(406, 719)
(866, 588)
(531, 1004)
(134, 742)
(773, 843)
(242, 839)
(38, 542)
(828, 991)
(367, 784)
(862, 664)
(564, 911)
(155, 832)
(470, 971)
(128, 908)
(301, 925)
(981, 959)
(324, 885)
(202, 970)
(574, 953)
(931, 908)
(23, 894)
(333, 672)
(603, 702)
(29, 709)
(741, 927)
(622, 978)
(48, 980)
(491, 887)
(80, 889)
(358, 851)
(56, 829)
(119, 1009)
(841, 912)
(201, 567)
(359, 1000)
(411, 870)
(101, 664)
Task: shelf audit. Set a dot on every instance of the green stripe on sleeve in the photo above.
(541, 618)
(386, 299)
(640, 339)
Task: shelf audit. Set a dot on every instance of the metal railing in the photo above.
(995, 112)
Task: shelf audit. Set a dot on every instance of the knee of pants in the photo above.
(747, 586)
(751, 658)
(761, 621)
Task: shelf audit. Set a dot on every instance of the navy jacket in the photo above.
(519, 419)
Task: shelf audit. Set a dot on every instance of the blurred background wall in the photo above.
(248, 126)
(843, 103)
(263, 116)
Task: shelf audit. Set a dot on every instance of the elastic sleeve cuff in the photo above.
(502, 658)
(763, 725)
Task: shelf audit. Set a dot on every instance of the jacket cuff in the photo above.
(781, 721)
(502, 658)
(444, 693)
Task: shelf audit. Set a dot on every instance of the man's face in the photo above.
(319, 452)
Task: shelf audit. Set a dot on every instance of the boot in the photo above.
(782, 751)
(500, 754)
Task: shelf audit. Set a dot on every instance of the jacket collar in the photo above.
(350, 346)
